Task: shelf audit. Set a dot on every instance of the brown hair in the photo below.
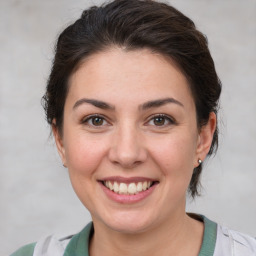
(136, 24)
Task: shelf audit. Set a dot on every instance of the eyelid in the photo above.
(86, 119)
(171, 120)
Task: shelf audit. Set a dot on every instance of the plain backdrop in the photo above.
(35, 193)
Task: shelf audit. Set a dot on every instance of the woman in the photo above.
(132, 100)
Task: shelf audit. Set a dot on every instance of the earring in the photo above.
(64, 165)
(199, 161)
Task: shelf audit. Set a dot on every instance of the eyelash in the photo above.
(165, 118)
(91, 118)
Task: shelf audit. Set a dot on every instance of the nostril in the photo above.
(126, 149)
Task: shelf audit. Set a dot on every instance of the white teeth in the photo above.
(131, 188)
(145, 185)
(123, 188)
(116, 187)
(139, 187)
(110, 186)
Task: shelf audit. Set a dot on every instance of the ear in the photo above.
(59, 142)
(205, 138)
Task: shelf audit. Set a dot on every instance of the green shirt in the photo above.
(79, 243)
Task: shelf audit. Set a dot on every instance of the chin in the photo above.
(129, 223)
(129, 228)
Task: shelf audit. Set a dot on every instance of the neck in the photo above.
(181, 236)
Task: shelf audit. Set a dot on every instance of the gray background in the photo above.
(35, 194)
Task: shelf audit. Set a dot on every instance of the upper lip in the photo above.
(126, 179)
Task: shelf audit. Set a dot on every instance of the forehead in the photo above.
(119, 74)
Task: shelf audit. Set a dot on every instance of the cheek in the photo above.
(175, 155)
(84, 155)
(83, 159)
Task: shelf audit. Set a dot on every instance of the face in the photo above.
(130, 139)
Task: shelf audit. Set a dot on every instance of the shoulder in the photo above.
(51, 245)
(231, 242)
(46, 246)
(26, 250)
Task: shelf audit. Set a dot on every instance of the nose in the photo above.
(127, 147)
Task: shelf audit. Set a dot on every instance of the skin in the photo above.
(128, 142)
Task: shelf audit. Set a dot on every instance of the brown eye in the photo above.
(159, 120)
(97, 121)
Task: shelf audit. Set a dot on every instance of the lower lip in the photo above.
(127, 199)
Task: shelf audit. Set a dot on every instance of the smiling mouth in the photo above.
(132, 188)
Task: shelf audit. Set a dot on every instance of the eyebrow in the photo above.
(96, 103)
(144, 106)
(159, 103)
